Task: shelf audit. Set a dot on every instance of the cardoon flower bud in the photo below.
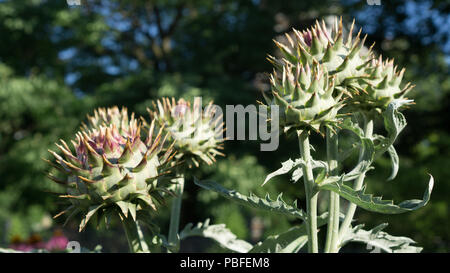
(306, 97)
(197, 132)
(381, 87)
(111, 171)
(343, 59)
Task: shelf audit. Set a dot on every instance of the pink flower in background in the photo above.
(21, 247)
(33, 242)
(57, 242)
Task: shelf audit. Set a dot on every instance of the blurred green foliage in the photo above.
(57, 63)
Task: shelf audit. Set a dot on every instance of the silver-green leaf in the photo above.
(290, 241)
(365, 160)
(373, 203)
(394, 162)
(218, 233)
(288, 165)
(380, 240)
(394, 123)
(285, 168)
(277, 206)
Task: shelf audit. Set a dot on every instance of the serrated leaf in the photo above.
(375, 204)
(218, 233)
(394, 123)
(318, 164)
(297, 174)
(348, 124)
(285, 168)
(365, 160)
(377, 239)
(290, 241)
(394, 162)
(288, 165)
(277, 206)
(315, 164)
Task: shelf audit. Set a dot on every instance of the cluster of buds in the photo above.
(346, 60)
(111, 170)
(197, 133)
(368, 82)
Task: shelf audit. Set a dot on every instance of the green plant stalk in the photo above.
(311, 194)
(176, 210)
(135, 238)
(368, 131)
(333, 209)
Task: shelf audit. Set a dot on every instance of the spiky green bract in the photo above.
(382, 86)
(346, 60)
(111, 172)
(197, 132)
(306, 97)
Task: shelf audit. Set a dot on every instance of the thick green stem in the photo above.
(311, 194)
(136, 241)
(333, 209)
(368, 131)
(176, 210)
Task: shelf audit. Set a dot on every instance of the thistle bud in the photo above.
(383, 85)
(342, 58)
(197, 132)
(110, 171)
(306, 97)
